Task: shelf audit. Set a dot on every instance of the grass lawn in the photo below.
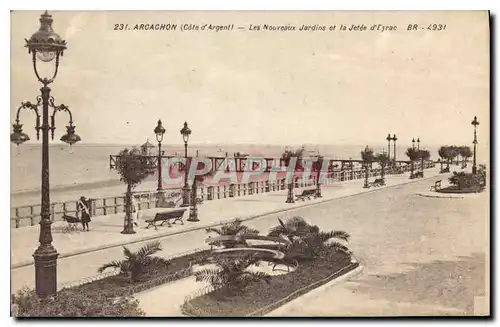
(309, 275)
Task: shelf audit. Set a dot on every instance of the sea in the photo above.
(84, 168)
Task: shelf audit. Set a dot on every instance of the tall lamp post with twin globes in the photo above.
(159, 131)
(185, 132)
(475, 122)
(394, 139)
(388, 138)
(45, 46)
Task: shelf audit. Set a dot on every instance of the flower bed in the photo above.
(260, 298)
(154, 275)
(456, 190)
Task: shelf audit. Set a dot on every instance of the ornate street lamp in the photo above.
(413, 143)
(394, 139)
(159, 131)
(418, 143)
(388, 138)
(185, 132)
(47, 47)
(475, 122)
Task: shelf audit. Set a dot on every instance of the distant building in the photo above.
(146, 148)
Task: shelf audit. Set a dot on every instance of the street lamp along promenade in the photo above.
(389, 139)
(185, 132)
(475, 122)
(45, 46)
(159, 131)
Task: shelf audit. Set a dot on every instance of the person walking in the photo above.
(85, 216)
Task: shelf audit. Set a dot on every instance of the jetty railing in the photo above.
(29, 215)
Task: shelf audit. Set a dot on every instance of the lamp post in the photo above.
(475, 122)
(159, 131)
(185, 132)
(394, 139)
(45, 46)
(413, 143)
(418, 144)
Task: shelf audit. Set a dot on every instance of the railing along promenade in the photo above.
(29, 215)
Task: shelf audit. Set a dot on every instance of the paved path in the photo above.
(421, 256)
(106, 232)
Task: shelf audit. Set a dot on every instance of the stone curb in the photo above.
(351, 269)
(323, 288)
(199, 227)
(449, 196)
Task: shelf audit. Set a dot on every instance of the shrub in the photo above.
(73, 303)
(231, 275)
(234, 228)
(308, 241)
(466, 180)
(136, 262)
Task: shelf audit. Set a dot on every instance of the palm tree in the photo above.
(133, 168)
(231, 275)
(367, 157)
(235, 228)
(308, 241)
(135, 262)
(383, 160)
(413, 154)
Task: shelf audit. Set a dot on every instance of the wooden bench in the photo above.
(378, 182)
(165, 217)
(418, 174)
(445, 170)
(307, 194)
(436, 186)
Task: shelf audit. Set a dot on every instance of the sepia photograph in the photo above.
(196, 164)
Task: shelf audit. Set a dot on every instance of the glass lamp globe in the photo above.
(46, 55)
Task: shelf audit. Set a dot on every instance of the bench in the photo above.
(445, 170)
(165, 217)
(436, 186)
(307, 194)
(73, 223)
(418, 174)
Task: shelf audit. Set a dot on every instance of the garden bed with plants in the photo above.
(108, 296)
(260, 298)
(152, 275)
(456, 190)
(463, 183)
(240, 287)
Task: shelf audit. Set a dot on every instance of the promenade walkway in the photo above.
(420, 256)
(105, 230)
(82, 253)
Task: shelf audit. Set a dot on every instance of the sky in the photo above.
(264, 87)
